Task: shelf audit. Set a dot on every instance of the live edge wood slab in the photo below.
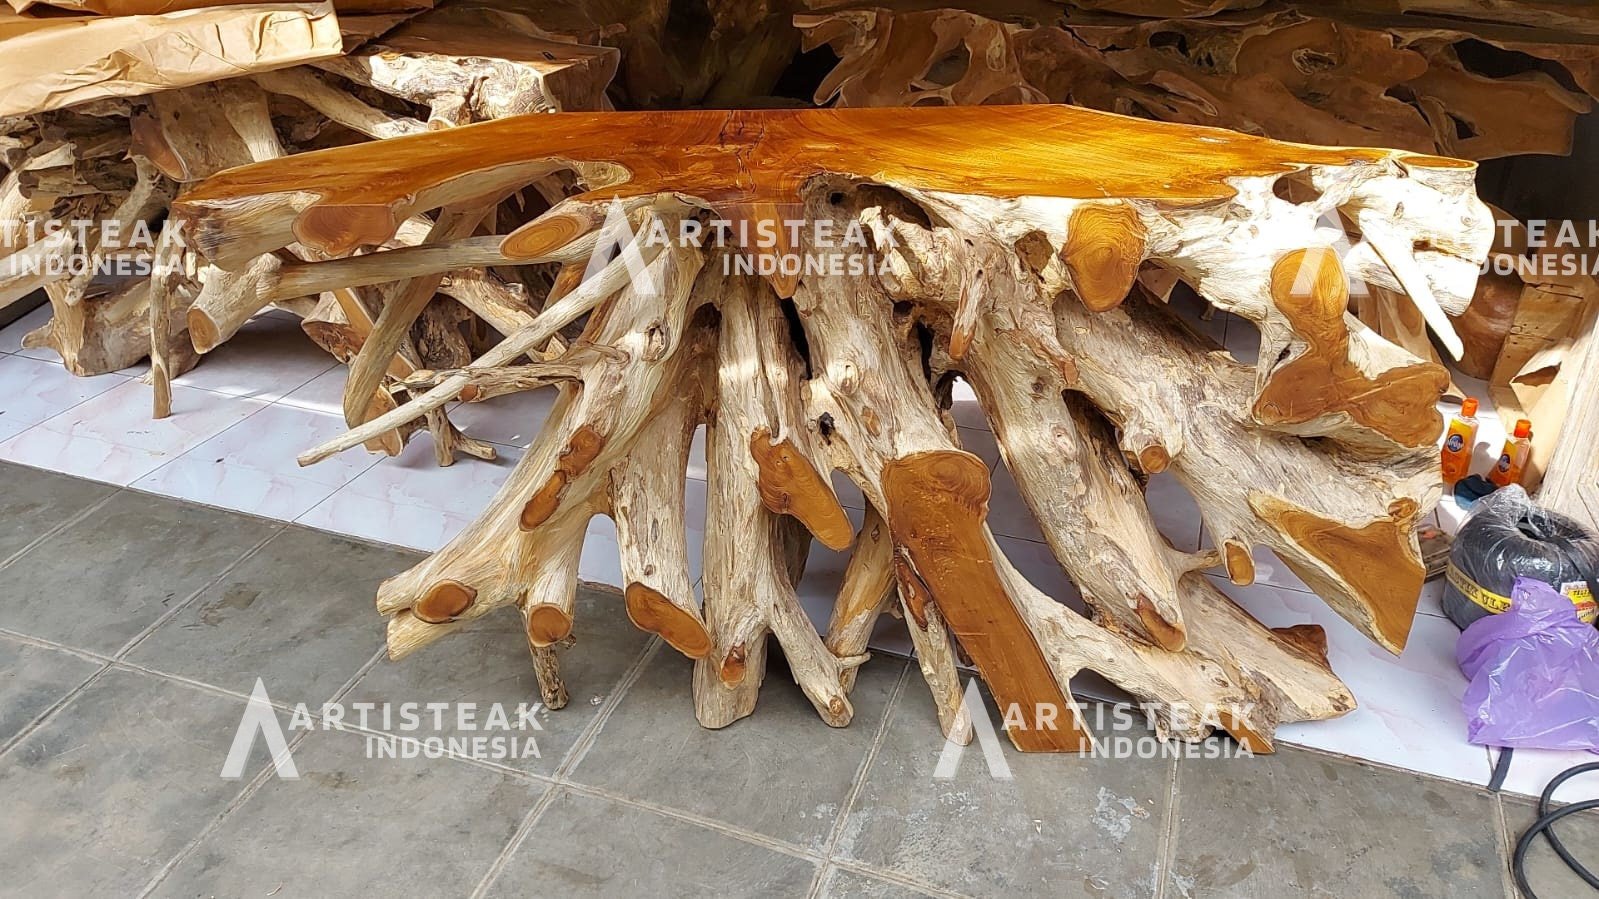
(1024, 249)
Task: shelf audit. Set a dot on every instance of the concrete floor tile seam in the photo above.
(353, 538)
(731, 831)
(65, 523)
(585, 740)
(43, 643)
(858, 782)
(279, 706)
(703, 823)
(573, 757)
(177, 607)
(1507, 846)
(263, 519)
(1167, 858)
(318, 721)
(109, 663)
(698, 821)
(1385, 766)
(518, 837)
(366, 667)
(252, 787)
(895, 878)
(50, 713)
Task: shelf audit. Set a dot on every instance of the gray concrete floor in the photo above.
(133, 628)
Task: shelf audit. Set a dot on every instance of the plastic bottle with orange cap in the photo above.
(1460, 442)
(1513, 458)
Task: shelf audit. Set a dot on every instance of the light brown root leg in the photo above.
(547, 668)
(751, 557)
(866, 591)
(647, 503)
(163, 289)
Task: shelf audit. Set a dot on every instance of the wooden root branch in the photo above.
(1337, 72)
(1022, 280)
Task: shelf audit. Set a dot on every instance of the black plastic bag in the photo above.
(1509, 536)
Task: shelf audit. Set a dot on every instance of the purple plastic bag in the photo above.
(1534, 673)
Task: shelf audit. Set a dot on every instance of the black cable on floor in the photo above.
(1501, 768)
(1542, 826)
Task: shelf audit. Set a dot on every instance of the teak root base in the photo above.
(1027, 250)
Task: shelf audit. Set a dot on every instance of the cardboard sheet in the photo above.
(57, 61)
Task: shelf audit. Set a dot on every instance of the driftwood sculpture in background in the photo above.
(118, 163)
(1007, 246)
(1345, 72)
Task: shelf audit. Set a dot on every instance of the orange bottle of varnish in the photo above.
(1460, 441)
(1513, 458)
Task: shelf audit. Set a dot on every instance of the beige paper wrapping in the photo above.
(50, 63)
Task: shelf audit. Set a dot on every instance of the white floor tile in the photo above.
(121, 415)
(601, 559)
(601, 563)
(1432, 595)
(696, 454)
(370, 518)
(1270, 570)
(32, 390)
(111, 437)
(694, 524)
(86, 457)
(849, 495)
(323, 393)
(1451, 515)
(9, 430)
(1409, 711)
(414, 480)
(11, 335)
(267, 359)
(251, 466)
(511, 420)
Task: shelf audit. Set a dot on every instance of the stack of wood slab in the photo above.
(113, 108)
(426, 188)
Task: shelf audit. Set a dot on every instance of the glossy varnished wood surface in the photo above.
(749, 156)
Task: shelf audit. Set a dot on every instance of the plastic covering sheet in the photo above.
(1534, 674)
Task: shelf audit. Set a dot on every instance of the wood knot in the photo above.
(444, 602)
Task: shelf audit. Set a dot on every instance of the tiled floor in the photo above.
(242, 416)
(126, 664)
